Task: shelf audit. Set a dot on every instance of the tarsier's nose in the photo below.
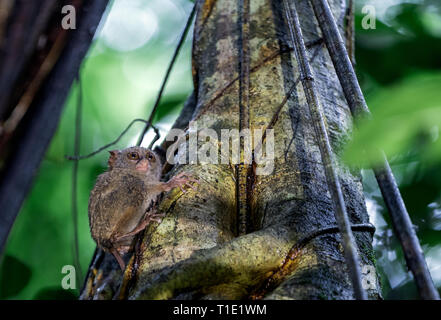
(142, 165)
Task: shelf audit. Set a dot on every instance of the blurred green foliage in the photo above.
(407, 118)
(399, 68)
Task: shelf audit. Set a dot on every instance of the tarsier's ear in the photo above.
(112, 158)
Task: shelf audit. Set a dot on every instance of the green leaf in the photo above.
(406, 116)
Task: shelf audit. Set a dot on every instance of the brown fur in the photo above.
(121, 197)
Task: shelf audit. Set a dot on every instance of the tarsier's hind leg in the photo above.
(118, 258)
(148, 217)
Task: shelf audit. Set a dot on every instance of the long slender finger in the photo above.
(191, 186)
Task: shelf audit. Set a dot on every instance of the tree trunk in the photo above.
(233, 236)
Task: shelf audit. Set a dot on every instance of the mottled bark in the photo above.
(196, 252)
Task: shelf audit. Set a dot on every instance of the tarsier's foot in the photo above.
(157, 217)
(181, 180)
(118, 258)
(149, 217)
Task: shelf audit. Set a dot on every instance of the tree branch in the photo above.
(42, 118)
(341, 216)
(400, 218)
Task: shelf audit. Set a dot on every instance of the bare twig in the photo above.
(262, 62)
(400, 218)
(275, 279)
(77, 145)
(362, 227)
(276, 114)
(78, 157)
(341, 216)
(350, 31)
(167, 74)
(243, 170)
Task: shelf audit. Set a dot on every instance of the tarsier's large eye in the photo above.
(133, 155)
(151, 157)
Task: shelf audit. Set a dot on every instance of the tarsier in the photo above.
(121, 204)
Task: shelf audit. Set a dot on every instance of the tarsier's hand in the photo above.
(181, 180)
